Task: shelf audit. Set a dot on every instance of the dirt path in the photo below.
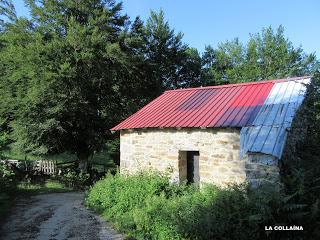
(56, 216)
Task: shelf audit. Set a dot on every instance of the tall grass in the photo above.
(147, 206)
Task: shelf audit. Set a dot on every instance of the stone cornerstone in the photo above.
(219, 157)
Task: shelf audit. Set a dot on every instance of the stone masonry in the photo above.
(165, 150)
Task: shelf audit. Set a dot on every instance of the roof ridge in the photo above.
(241, 84)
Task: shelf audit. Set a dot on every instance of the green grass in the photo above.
(50, 186)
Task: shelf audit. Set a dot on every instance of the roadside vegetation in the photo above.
(147, 206)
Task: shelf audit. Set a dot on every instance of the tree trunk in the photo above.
(83, 161)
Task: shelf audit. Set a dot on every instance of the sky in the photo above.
(209, 22)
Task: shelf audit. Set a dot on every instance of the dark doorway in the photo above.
(193, 167)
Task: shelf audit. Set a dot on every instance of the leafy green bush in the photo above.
(211, 213)
(147, 206)
(75, 180)
(7, 178)
(120, 195)
(300, 164)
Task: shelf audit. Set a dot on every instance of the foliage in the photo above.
(7, 12)
(173, 64)
(7, 178)
(103, 158)
(49, 186)
(76, 180)
(75, 69)
(301, 160)
(120, 196)
(211, 213)
(267, 55)
(147, 206)
(4, 140)
(68, 61)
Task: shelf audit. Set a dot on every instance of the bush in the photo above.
(121, 195)
(147, 206)
(300, 164)
(76, 180)
(7, 178)
(211, 213)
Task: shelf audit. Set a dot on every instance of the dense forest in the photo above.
(76, 68)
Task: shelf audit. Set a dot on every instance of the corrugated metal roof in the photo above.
(267, 133)
(234, 105)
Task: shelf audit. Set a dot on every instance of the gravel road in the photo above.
(56, 216)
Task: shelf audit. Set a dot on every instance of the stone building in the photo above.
(219, 134)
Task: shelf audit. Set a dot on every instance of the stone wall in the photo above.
(261, 168)
(165, 150)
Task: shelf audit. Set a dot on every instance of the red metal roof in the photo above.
(233, 105)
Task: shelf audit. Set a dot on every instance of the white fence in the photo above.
(46, 167)
(42, 166)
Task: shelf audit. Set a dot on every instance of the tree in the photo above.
(172, 63)
(76, 68)
(160, 61)
(267, 55)
(300, 162)
(63, 68)
(7, 12)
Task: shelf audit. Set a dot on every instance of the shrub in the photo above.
(76, 180)
(211, 213)
(120, 195)
(7, 178)
(147, 206)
